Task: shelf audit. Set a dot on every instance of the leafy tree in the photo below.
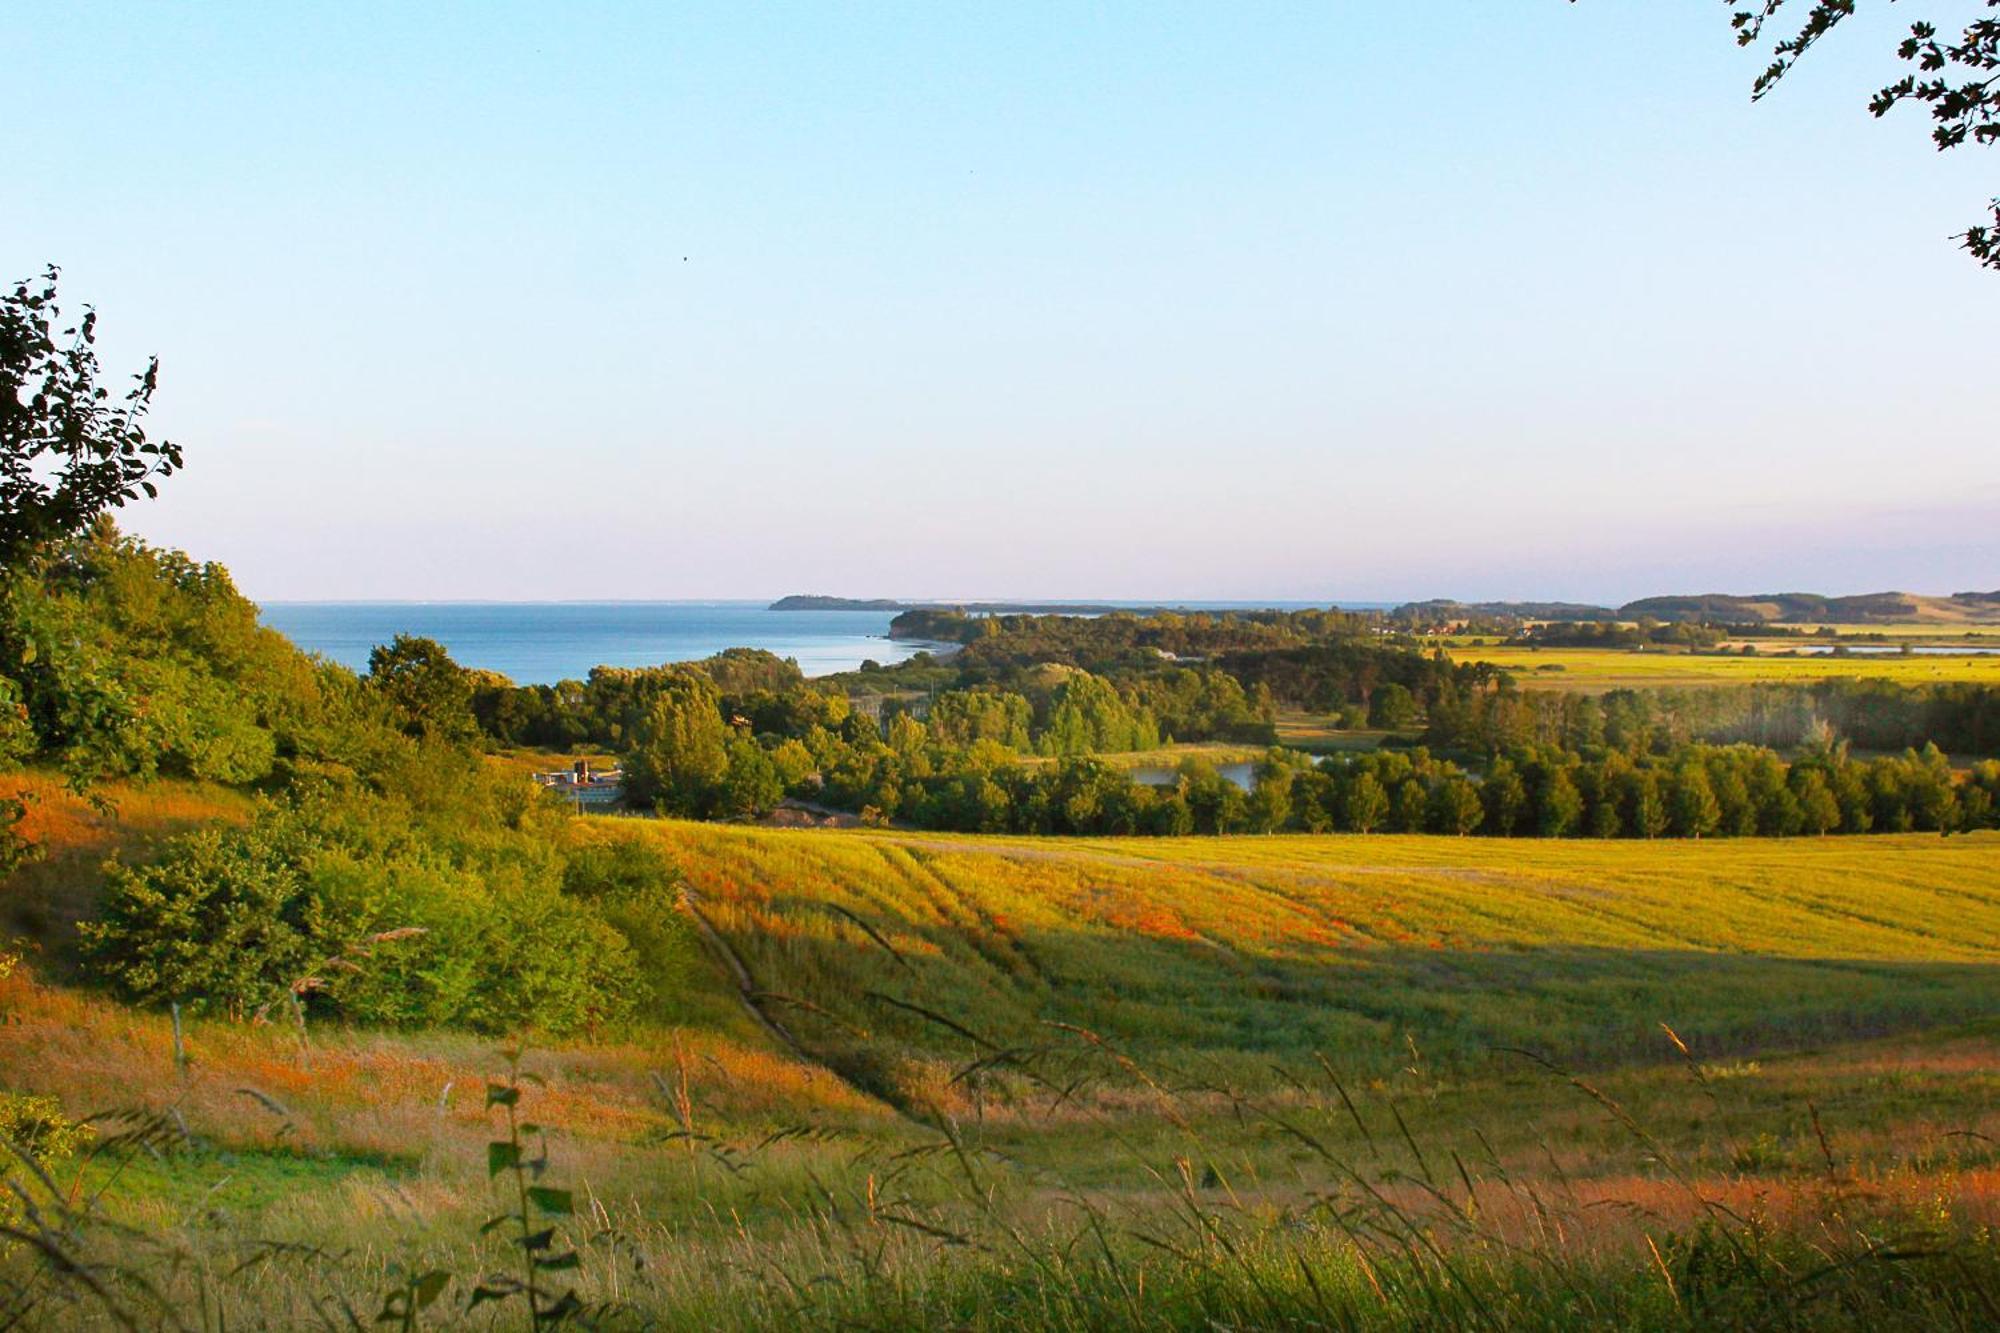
(752, 785)
(1455, 807)
(432, 694)
(1412, 805)
(217, 922)
(1270, 802)
(681, 752)
(1558, 806)
(1505, 797)
(1693, 806)
(1391, 706)
(68, 450)
(1819, 812)
(1365, 803)
(1649, 818)
(1957, 78)
(1087, 716)
(1732, 797)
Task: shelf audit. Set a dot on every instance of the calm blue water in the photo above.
(539, 643)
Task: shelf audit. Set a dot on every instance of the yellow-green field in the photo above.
(1234, 952)
(932, 1081)
(1597, 669)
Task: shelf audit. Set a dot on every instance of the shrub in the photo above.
(215, 923)
(37, 1127)
(377, 915)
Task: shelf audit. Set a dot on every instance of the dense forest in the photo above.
(379, 831)
(1010, 734)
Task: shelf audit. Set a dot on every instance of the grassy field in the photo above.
(1317, 734)
(1281, 1082)
(1598, 669)
(42, 901)
(1226, 955)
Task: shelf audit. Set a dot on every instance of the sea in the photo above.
(540, 643)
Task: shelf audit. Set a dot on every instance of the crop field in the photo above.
(1231, 954)
(929, 1080)
(1598, 669)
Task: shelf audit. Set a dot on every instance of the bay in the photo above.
(540, 643)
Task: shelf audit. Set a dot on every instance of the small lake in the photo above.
(1154, 775)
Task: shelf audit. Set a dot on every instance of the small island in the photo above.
(813, 602)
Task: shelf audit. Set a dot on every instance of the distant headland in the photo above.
(1791, 608)
(814, 602)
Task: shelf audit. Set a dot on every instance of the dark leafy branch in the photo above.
(68, 449)
(1959, 80)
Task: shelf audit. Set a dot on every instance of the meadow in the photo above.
(1227, 955)
(910, 1079)
(1595, 670)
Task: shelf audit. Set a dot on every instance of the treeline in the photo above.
(1043, 709)
(1609, 634)
(1472, 717)
(1122, 637)
(390, 874)
(1349, 674)
(953, 774)
(1695, 791)
(712, 740)
(734, 736)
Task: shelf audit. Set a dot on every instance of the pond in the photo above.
(1244, 775)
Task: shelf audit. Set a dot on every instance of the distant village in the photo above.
(584, 787)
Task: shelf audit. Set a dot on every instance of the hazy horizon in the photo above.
(1357, 304)
(1275, 603)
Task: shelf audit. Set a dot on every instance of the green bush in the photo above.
(35, 1126)
(215, 924)
(376, 913)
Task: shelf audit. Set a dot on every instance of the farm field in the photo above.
(1242, 951)
(920, 1066)
(1599, 669)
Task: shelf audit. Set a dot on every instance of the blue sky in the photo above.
(1365, 301)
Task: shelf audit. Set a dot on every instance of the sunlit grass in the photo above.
(1117, 1030)
(1597, 669)
(42, 901)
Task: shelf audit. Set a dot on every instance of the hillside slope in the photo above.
(1794, 608)
(1227, 955)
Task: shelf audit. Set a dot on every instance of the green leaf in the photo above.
(540, 1240)
(493, 1224)
(553, 1201)
(561, 1311)
(502, 1156)
(553, 1262)
(499, 1094)
(430, 1286)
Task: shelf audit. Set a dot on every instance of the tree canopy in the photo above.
(1957, 78)
(69, 449)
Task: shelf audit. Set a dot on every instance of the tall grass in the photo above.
(937, 1225)
(1092, 1085)
(1229, 954)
